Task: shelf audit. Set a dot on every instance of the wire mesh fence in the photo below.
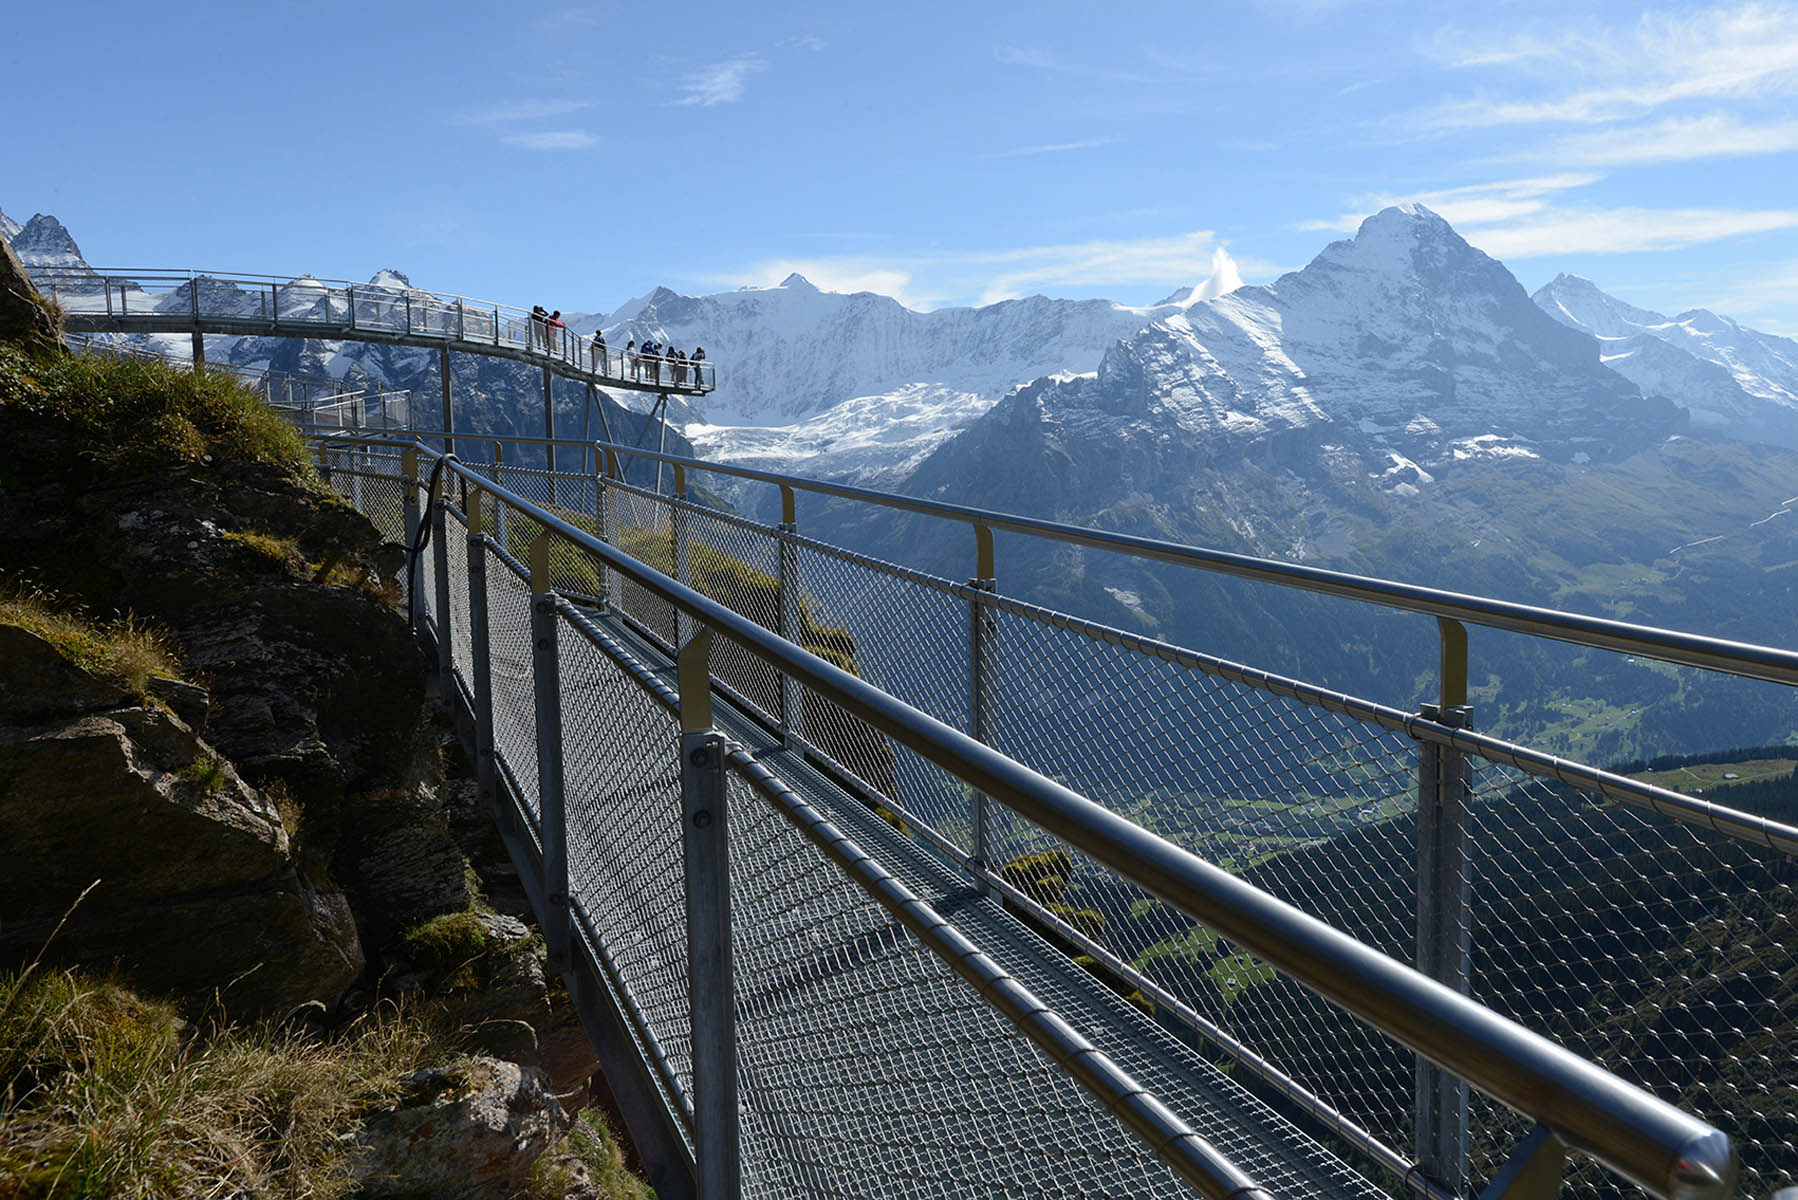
(621, 764)
(1661, 950)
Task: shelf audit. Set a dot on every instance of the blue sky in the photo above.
(579, 154)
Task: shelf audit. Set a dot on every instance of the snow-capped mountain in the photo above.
(857, 384)
(1736, 381)
(42, 242)
(1396, 354)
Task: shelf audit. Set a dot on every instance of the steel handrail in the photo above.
(1655, 1145)
(1744, 659)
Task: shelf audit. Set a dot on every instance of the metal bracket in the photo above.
(1533, 1172)
(983, 551)
(788, 508)
(693, 674)
(1454, 662)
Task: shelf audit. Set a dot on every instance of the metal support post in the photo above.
(461, 321)
(705, 844)
(409, 482)
(446, 663)
(199, 348)
(549, 428)
(349, 298)
(982, 678)
(482, 684)
(1444, 936)
(681, 526)
(606, 523)
(449, 413)
(552, 816)
(789, 620)
(193, 300)
(499, 471)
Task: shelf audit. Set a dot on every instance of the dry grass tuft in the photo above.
(124, 650)
(106, 1094)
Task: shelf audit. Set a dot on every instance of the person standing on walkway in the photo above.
(552, 331)
(698, 370)
(630, 357)
(539, 326)
(599, 351)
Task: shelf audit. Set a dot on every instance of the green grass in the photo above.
(592, 1141)
(128, 413)
(456, 948)
(124, 651)
(105, 1093)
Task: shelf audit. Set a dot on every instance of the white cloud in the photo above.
(1106, 267)
(1678, 139)
(807, 41)
(551, 139)
(1625, 230)
(1741, 52)
(1056, 148)
(1101, 264)
(531, 109)
(720, 83)
(1475, 204)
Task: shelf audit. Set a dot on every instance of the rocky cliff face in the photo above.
(310, 694)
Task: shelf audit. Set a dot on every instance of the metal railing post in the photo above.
(449, 412)
(680, 522)
(409, 477)
(549, 428)
(705, 845)
(446, 662)
(610, 586)
(789, 620)
(482, 683)
(349, 294)
(461, 322)
(1444, 934)
(982, 671)
(546, 673)
(499, 470)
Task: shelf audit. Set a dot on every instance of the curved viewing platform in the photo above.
(129, 300)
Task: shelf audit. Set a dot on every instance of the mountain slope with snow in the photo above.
(857, 384)
(1403, 349)
(1737, 382)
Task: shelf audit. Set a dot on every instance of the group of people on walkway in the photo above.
(646, 361)
(637, 362)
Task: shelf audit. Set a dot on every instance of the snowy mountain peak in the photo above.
(1735, 381)
(798, 283)
(43, 242)
(388, 277)
(9, 228)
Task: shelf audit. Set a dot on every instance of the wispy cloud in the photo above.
(551, 139)
(1107, 267)
(805, 41)
(720, 83)
(1043, 60)
(1056, 148)
(1474, 204)
(1527, 218)
(1625, 230)
(506, 112)
(1677, 139)
(1596, 75)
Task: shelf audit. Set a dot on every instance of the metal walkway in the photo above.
(119, 300)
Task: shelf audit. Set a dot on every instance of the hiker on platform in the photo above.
(599, 351)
